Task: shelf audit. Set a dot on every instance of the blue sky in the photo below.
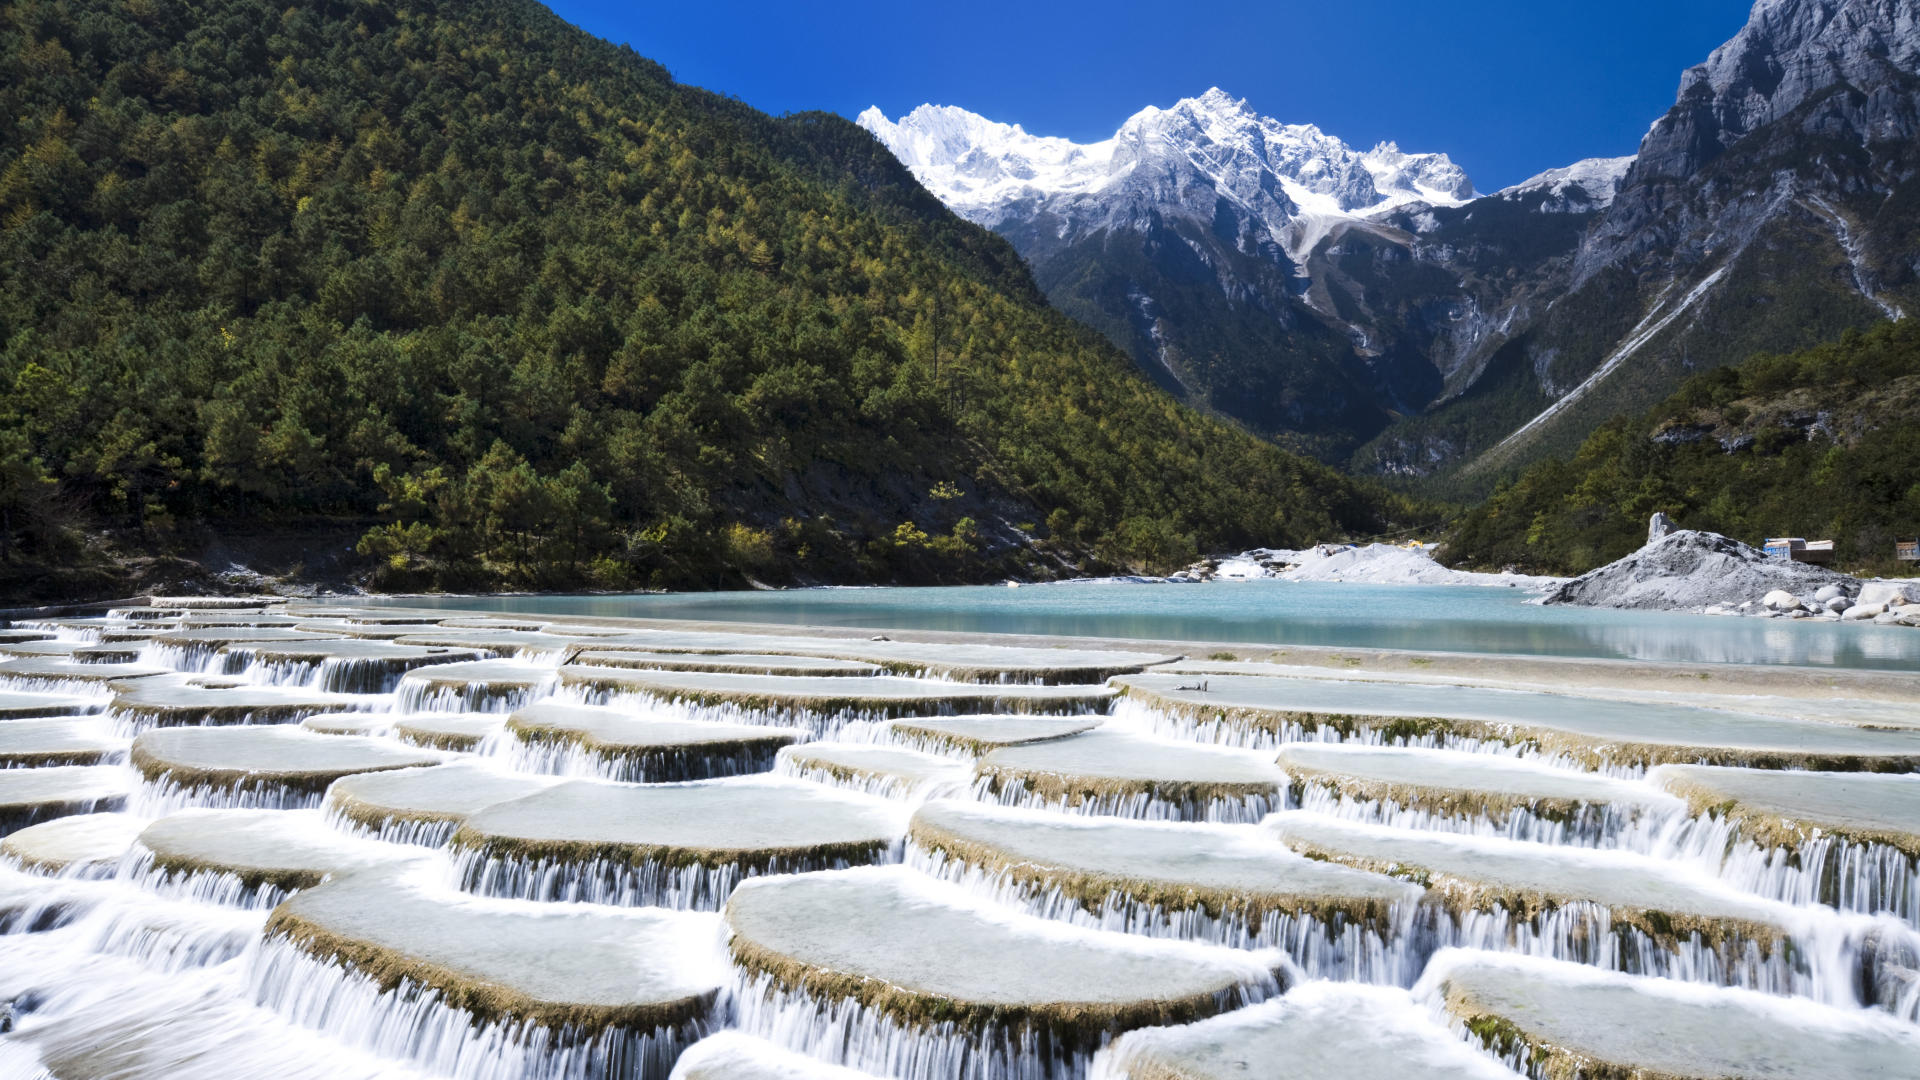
(1508, 87)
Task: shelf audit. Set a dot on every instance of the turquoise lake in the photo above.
(1426, 618)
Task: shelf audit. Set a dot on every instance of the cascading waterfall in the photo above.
(563, 757)
(413, 1023)
(627, 883)
(1593, 826)
(844, 1030)
(1140, 805)
(1342, 949)
(1851, 876)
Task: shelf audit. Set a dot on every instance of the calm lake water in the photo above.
(1430, 618)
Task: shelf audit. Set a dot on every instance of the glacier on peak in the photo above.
(1293, 179)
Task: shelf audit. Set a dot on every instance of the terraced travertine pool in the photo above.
(316, 841)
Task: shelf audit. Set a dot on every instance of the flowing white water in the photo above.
(135, 970)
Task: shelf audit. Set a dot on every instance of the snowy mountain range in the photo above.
(1202, 237)
(1186, 157)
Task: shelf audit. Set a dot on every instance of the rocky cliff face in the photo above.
(1771, 208)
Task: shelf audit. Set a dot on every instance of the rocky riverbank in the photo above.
(1716, 575)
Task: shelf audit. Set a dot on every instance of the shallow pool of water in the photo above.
(1343, 615)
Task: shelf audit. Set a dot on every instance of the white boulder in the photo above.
(1829, 592)
(1890, 593)
(1781, 600)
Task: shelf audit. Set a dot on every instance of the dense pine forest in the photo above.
(502, 305)
(1822, 444)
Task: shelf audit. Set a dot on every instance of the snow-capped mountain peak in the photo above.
(1183, 158)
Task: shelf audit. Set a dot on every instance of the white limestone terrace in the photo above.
(971, 736)
(753, 822)
(1170, 866)
(1319, 1030)
(28, 796)
(59, 740)
(279, 850)
(446, 731)
(14, 706)
(1573, 1020)
(1789, 809)
(1472, 871)
(820, 702)
(1267, 711)
(42, 675)
(271, 757)
(736, 663)
(515, 961)
(624, 744)
(923, 954)
(1280, 173)
(164, 702)
(887, 771)
(1462, 783)
(75, 845)
(473, 686)
(445, 795)
(960, 661)
(1116, 771)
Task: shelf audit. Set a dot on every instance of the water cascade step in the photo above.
(1459, 791)
(1223, 884)
(425, 805)
(390, 962)
(1850, 840)
(1317, 1031)
(887, 771)
(1113, 771)
(1596, 733)
(273, 766)
(621, 744)
(677, 845)
(1554, 1019)
(974, 736)
(886, 970)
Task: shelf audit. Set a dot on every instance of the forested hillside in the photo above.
(513, 307)
(1822, 444)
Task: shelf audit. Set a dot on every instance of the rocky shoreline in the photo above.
(1712, 574)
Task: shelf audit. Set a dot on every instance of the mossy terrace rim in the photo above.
(784, 858)
(1095, 891)
(487, 1002)
(1073, 789)
(758, 741)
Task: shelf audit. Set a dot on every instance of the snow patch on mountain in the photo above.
(1581, 186)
